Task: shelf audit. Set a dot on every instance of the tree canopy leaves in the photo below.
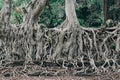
(89, 12)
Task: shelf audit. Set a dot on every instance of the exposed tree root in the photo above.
(67, 48)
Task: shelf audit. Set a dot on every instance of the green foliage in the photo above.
(1, 3)
(53, 14)
(15, 17)
(113, 46)
(89, 12)
(49, 39)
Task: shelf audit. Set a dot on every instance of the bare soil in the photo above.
(44, 78)
(113, 77)
(35, 72)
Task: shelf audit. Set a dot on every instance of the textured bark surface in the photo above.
(105, 10)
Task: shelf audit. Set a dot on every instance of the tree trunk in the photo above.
(6, 13)
(105, 10)
(5, 18)
(70, 12)
(30, 25)
(118, 3)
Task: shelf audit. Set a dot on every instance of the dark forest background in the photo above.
(90, 13)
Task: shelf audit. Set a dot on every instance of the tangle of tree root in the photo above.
(89, 49)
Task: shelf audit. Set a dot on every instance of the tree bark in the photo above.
(30, 25)
(6, 13)
(105, 10)
(71, 25)
(38, 7)
(70, 12)
(118, 3)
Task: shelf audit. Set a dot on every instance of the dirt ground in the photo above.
(45, 78)
(52, 78)
(110, 76)
(41, 73)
